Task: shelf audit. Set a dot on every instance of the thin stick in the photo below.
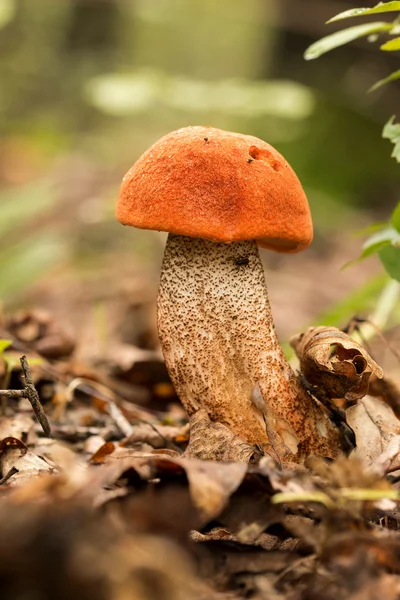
(30, 392)
(33, 396)
(103, 393)
(119, 418)
(168, 443)
(6, 383)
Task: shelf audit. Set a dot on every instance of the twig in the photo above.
(72, 433)
(33, 396)
(88, 387)
(294, 565)
(8, 475)
(168, 443)
(30, 392)
(6, 383)
(119, 418)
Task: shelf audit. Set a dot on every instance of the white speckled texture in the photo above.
(219, 343)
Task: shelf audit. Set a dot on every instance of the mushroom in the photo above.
(219, 194)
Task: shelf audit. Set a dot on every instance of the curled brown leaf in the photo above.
(334, 363)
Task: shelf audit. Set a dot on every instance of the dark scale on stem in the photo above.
(242, 261)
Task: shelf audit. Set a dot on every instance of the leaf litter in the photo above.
(112, 505)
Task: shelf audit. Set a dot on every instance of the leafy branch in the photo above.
(385, 237)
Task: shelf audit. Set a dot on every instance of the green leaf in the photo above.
(4, 344)
(374, 244)
(305, 496)
(390, 258)
(382, 7)
(392, 77)
(395, 218)
(391, 132)
(339, 38)
(391, 45)
(372, 248)
(370, 229)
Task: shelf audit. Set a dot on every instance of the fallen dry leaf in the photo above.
(211, 483)
(63, 550)
(377, 431)
(137, 519)
(100, 455)
(334, 364)
(158, 436)
(15, 456)
(41, 333)
(388, 391)
(17, 426)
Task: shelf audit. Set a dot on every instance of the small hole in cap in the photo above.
(265, 156)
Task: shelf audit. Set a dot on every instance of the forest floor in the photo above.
(109, 506)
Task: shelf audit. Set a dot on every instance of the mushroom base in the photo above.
(223, 355)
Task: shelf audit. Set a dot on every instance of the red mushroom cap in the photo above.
(217, 185)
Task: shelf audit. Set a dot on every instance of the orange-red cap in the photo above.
(221, 186)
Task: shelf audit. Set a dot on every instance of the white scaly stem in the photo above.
(219, 343)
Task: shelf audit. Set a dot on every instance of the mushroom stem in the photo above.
(222, 352)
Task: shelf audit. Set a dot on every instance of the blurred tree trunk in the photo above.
(93, 27)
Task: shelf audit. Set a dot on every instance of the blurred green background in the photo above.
(87, 85)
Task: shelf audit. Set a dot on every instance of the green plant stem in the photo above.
(385, 306)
